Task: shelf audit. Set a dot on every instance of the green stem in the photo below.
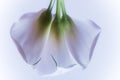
(60, 8)
(63, 8)
(51, 5)
(58, 11)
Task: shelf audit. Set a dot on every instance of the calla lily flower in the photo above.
(48, 41)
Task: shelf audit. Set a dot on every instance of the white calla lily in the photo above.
(25, 34)
(83, 42)
(47, 43)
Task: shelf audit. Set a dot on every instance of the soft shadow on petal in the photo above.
(83, 40)
(25, 33)
(59, 52)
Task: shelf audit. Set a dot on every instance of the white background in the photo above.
(105, 63)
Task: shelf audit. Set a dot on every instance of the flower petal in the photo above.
(83, 40)
(60, 52)
(26, 35)
(46, 65)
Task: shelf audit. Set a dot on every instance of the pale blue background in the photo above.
(105, 63)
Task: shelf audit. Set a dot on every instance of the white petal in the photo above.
(60, 52)
(83, 41)
(25, 34)
(55, 54)
(46, 65)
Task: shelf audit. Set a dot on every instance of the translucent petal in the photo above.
(82, 41)
(46, 64)
(60, 52)
(26, 35)
(55, 54)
